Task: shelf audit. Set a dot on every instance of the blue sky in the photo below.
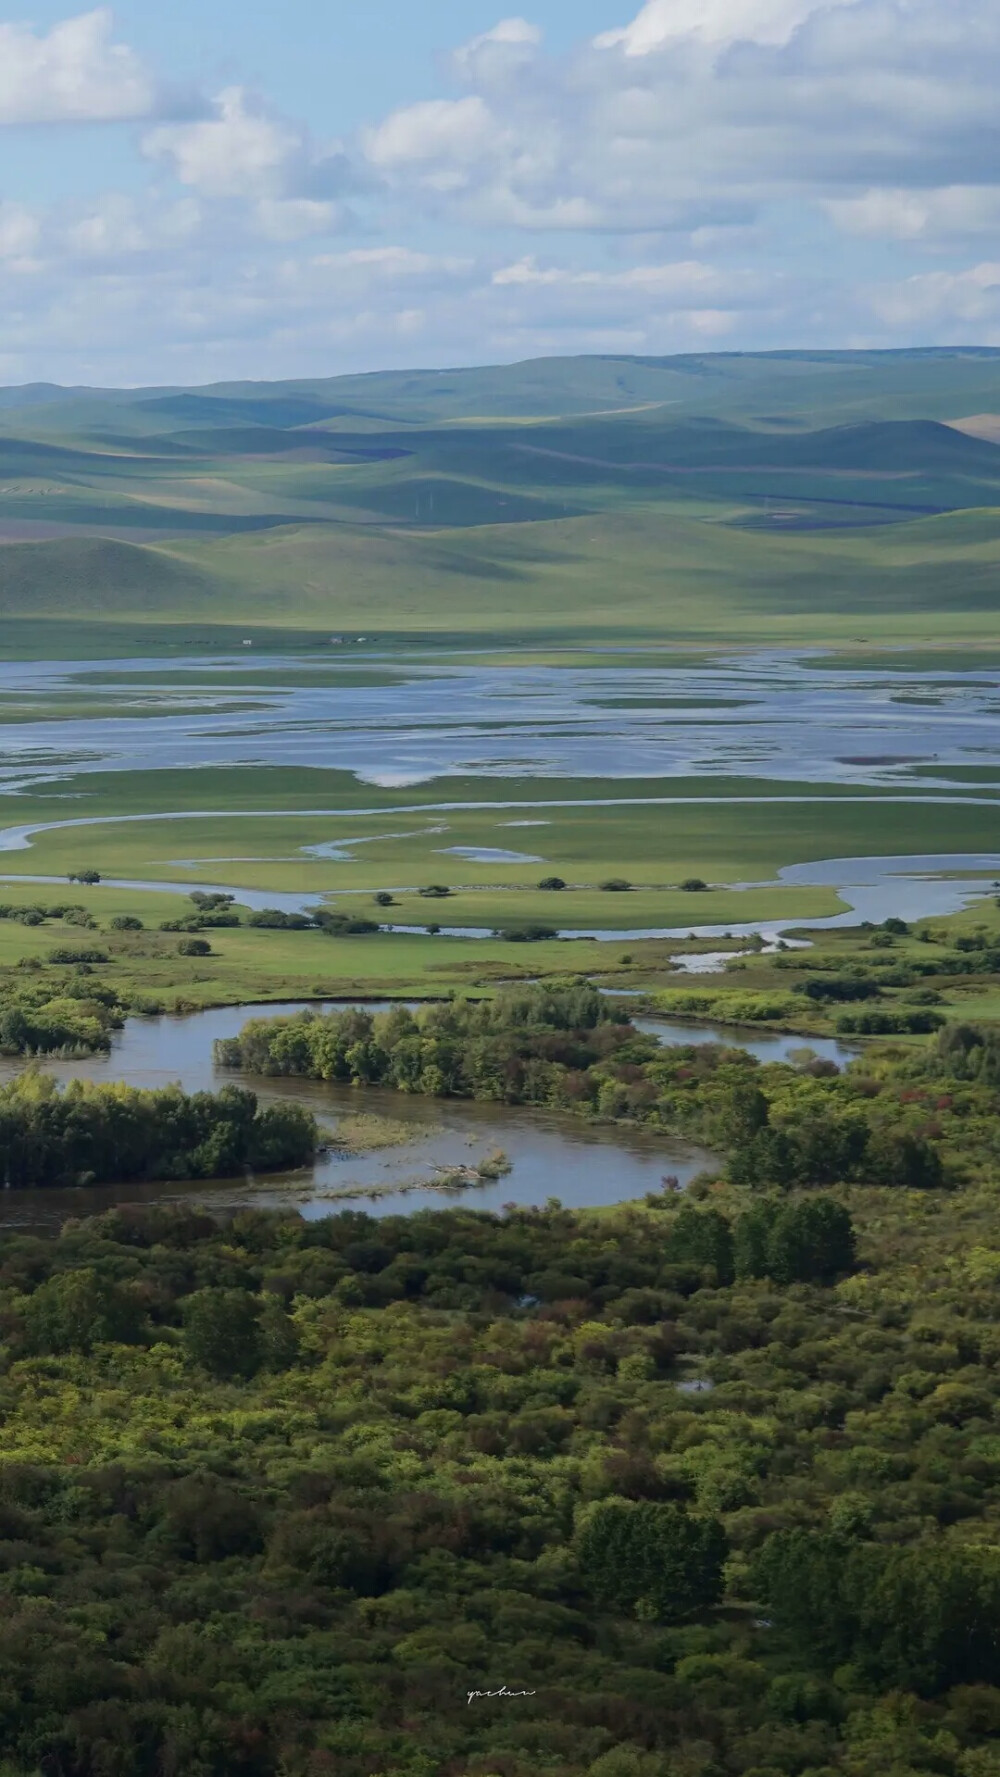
(205, 189)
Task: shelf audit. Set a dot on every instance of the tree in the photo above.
(745, 1113)
(751, 1234)
(811, 1241)
(279, 1336)
(702, 1237)
(76, 1310)
(921, 1618)
(896, 1157)
(655, 1559)
(383, 899)
(222, 1332)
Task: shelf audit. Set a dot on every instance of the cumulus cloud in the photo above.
(238, 152)
(243, 151)
(701, 112)
(945, 305)
(711, 21)
(936, 216)
(497, 55)
(747, 172)
(450, 135)
(73, 73)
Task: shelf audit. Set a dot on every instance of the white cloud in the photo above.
(707, 172)
(295, 218)
(118, 226)
(944, 304)
(447, 133)
(20, 232)
(73, 73)
(953, 211)
(701, 113)
(711, 21)
(240, 152)
(495, 56)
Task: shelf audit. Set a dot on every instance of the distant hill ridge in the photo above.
(768, 488)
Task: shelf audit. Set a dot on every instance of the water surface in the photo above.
(552, 1155)
(780, 714)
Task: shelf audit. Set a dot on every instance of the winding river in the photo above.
(551, 1155)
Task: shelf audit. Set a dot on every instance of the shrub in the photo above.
(883, 1024)
(693, 885)
(274, 919)
(434, 891)
(615, 885)
(529, 934)
(552, 882)
(66, 955)
(383, 899)
(126, 922)
(344, 925)
(194, 947)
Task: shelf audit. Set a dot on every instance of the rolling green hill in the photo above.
(777, 494)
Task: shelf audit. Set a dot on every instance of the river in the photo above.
(551, 1155)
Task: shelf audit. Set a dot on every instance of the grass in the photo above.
(364, 1132)
(560, 503)
(742, 841)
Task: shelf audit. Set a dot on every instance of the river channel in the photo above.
(551, 1155)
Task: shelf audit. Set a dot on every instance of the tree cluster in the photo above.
(104, 1134)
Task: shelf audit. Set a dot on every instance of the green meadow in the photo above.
(843, 499)
(604, 514)
(406, 844)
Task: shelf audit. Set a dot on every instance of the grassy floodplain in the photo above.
(655, 831)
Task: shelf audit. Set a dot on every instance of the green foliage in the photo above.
(809, 1241)
(96, 1133)
(222, 1332)
(66, 1015)
(76, 1310)
(194, 947)
(274, 919)
(654, 1559)
(276, 1493)
(565, 1046)
(532, 933)
(920, 1619)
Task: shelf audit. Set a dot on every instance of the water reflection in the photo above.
(584, 1165)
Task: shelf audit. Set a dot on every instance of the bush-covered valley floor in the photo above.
(695, 1488)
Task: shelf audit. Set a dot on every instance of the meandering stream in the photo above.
(556, 1155)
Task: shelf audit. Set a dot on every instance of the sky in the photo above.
(214, 189)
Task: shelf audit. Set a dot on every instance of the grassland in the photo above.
(399, 840)
(585, 501)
